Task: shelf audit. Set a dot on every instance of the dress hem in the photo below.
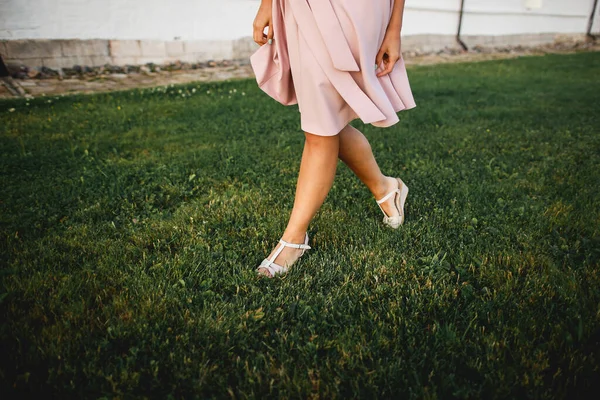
(378, 124)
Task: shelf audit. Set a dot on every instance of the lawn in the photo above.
(131, 224)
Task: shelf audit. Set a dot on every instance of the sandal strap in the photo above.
(387, 196)
(293, 245)
(304, 245)
(276, 268)
(277, 252)
(395, 192)
(273, 268)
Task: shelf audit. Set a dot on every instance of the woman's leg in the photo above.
(355, 152)
(317, 171)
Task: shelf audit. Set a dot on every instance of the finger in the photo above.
(258, 35)
(270, 34)
(257, 38)
(254, 33)
(379, 58)
(389, 67)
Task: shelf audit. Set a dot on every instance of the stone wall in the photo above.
(96, 52)
(56, 54)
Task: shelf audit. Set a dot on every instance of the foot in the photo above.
(288, 255)
(388, 206)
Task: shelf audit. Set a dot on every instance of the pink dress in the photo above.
(331, 46)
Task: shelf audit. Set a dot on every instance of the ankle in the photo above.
(382, 187)
(296, 237)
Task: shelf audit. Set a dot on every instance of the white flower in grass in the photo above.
(11, 110)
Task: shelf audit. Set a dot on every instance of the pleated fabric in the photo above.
(332, 46)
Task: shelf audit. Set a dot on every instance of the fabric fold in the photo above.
(271, 64)
(342, 81)
(323, 58)
(332, 34)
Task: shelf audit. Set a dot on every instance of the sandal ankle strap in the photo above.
(294, 245)
(387, 196)
(304, 245)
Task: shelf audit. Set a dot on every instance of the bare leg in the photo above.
(317, 171)
(355, 152)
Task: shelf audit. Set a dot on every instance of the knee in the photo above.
(350, 137)
(320, 141)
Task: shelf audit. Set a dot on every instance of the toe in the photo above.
(265, 272)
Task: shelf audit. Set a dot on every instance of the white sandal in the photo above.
(400, 193)
(275, 269)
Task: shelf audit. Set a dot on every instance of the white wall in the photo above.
(232, 19)
(126, 19)
(496, 17)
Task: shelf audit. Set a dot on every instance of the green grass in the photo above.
(131, 224)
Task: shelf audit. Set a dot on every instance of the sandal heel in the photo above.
(400, 195)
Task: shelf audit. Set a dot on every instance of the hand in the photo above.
(389, 53)
(263, 20)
